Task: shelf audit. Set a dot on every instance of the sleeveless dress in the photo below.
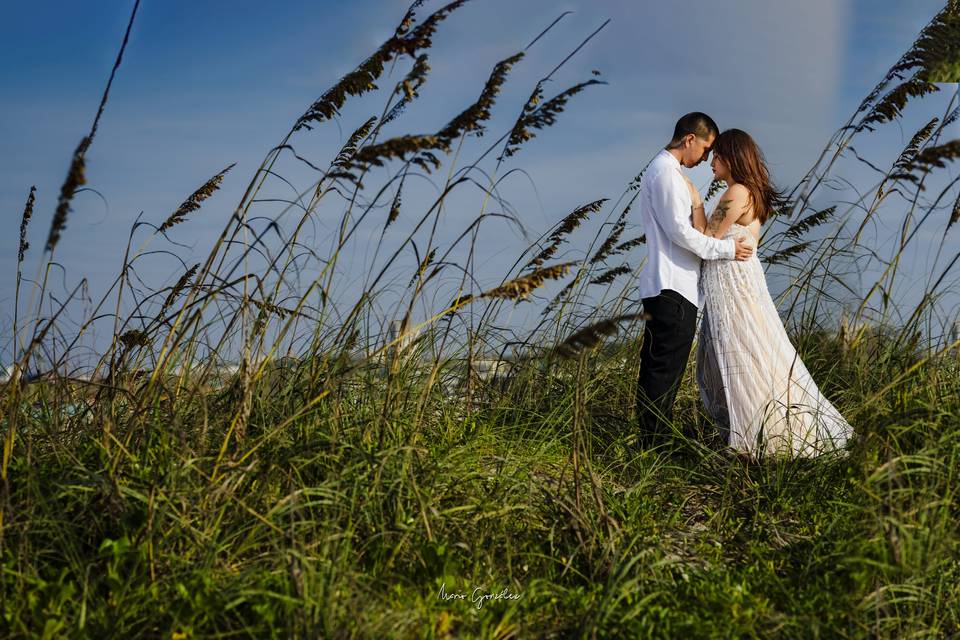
(751, 379)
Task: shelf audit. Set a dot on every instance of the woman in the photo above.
(751, 379)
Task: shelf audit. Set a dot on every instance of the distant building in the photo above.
(405, 338)
(492, 370)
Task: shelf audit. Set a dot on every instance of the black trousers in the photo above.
(667, 338)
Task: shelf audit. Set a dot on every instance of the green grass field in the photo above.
(144, 525)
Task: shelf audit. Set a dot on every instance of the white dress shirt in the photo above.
(674, 247)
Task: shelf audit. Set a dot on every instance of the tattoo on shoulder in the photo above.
(717, 216)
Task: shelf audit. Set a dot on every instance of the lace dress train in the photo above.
(752, 382)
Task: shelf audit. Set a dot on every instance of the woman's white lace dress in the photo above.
(750, 377)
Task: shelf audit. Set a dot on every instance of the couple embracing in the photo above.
(751, 380)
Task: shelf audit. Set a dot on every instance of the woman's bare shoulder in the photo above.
(736, 201)
(736, 192)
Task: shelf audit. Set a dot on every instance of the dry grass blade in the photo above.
(545, 254)
(892, 104)
(608, 246)
(951, 118)
(937, 49)
(519, 134)
(398, 148)
(342, 161)
(426, 262)
(955, 215)
(938, 156)
(340, 167)
(416, 77)
(410, 86)
(933, 53)
(575, 217)
(813, 220)
(76, 175)
(355, 83)
(421, 145)
(610, 275)
(785, 254)
(24, 221)
(520, 288)
(408, 18)
(180, 285)
(567, 288)
(594, 335)
(630, 244)
(925, 161)
(193, 202)
(420, 37)
(470, 119)
(269, 307)
(134, 338)
(542, 116)
(395, 205)
(909, 152)
(566, 226)
(363, 78)
(635, 183)
(460, 301)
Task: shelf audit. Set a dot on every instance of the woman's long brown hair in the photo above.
(748, 167)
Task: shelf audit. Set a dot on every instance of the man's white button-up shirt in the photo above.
(674, 247)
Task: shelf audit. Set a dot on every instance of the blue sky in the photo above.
(204, 84)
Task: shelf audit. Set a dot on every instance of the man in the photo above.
(668, 284)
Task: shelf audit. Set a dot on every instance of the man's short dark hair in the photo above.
(697, 123)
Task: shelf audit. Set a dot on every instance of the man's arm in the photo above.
(673, 216)
(699, 215)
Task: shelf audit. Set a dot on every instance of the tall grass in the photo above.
(340, 477)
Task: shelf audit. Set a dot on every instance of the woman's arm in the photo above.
(733, 204)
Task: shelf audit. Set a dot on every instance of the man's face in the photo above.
(697, 149)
